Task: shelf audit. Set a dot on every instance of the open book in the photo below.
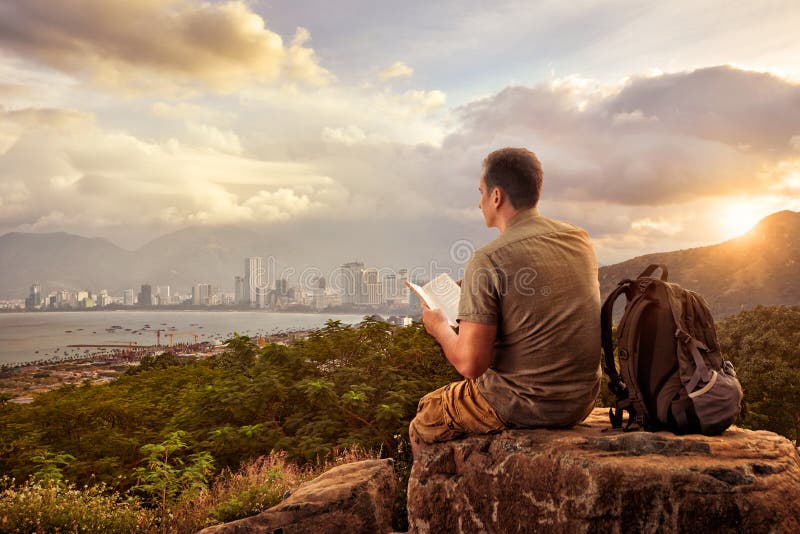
(441, 292)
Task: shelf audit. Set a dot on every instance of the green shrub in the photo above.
(50, 507)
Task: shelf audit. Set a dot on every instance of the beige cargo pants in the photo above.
(453, 411)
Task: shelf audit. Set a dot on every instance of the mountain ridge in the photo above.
(758, 267)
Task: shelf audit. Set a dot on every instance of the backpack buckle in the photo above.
(682, 336)
(615, 418)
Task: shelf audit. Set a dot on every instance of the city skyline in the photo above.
(352, 284)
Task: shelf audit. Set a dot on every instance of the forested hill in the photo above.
(760, 267)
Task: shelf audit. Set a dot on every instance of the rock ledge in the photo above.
(355, 497)
(595, 479)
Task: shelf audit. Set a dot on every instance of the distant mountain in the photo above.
(760, 267)
(205, 254)
(59, 260)
(181, 258)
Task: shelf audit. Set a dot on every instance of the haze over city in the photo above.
(358, 132)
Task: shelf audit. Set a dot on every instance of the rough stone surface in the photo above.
(594, 479)
(356, 497)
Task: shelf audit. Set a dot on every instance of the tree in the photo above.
(764, 346)
(166, 475)
(49, 467)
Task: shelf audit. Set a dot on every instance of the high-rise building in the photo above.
(162, 295)
(372, 288)
(238, 290)
(103, 298)
(63, 298)
(201, 294)
(128, 297)
(390, 288)
(402, 278)
(282, 287)
(145, 295)
(255, 287)
(34, 299)
(317, 293)
(353, 283)
(331, 298)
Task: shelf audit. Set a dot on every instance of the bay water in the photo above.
(31, 336)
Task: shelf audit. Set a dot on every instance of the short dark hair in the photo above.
(518, 172)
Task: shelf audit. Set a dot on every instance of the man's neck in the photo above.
(502, 224)
(506, 218)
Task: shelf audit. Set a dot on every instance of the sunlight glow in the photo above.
(738, 218)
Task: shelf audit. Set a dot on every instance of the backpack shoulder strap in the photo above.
(651, 269)
(607, 337)
(615, 382)
(687, 344)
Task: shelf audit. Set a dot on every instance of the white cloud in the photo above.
(204, 135)
(689, 145)
(396, 70)
(659, 226)
(424, 101)
(348, 135)
(14, 195)
(95, 178)
(155, 45)
(189, 111)
(632, 117)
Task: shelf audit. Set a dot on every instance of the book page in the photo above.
(421, 294)
(445, 294)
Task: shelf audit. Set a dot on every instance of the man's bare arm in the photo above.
(469, 351)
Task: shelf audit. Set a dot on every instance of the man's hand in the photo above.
(434, 320)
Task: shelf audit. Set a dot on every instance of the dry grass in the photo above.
(256, 486)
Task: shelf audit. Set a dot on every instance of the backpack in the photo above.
(672, 375)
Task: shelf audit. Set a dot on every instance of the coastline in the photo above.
(20, 383)
(39, 337)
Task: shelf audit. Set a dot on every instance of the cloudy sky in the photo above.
(660, 125)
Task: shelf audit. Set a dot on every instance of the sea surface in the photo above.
(26, 337)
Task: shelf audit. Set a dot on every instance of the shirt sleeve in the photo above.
(479, 302)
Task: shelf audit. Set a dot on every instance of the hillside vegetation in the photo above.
(174, 445)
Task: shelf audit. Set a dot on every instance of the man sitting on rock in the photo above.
(528, 342)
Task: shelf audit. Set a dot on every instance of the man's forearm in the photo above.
(448, 339)
(462, 358)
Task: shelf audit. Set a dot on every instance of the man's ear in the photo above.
(498, 197)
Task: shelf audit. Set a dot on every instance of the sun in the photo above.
(737, 219)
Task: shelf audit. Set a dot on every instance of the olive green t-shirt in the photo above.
(538, 282)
